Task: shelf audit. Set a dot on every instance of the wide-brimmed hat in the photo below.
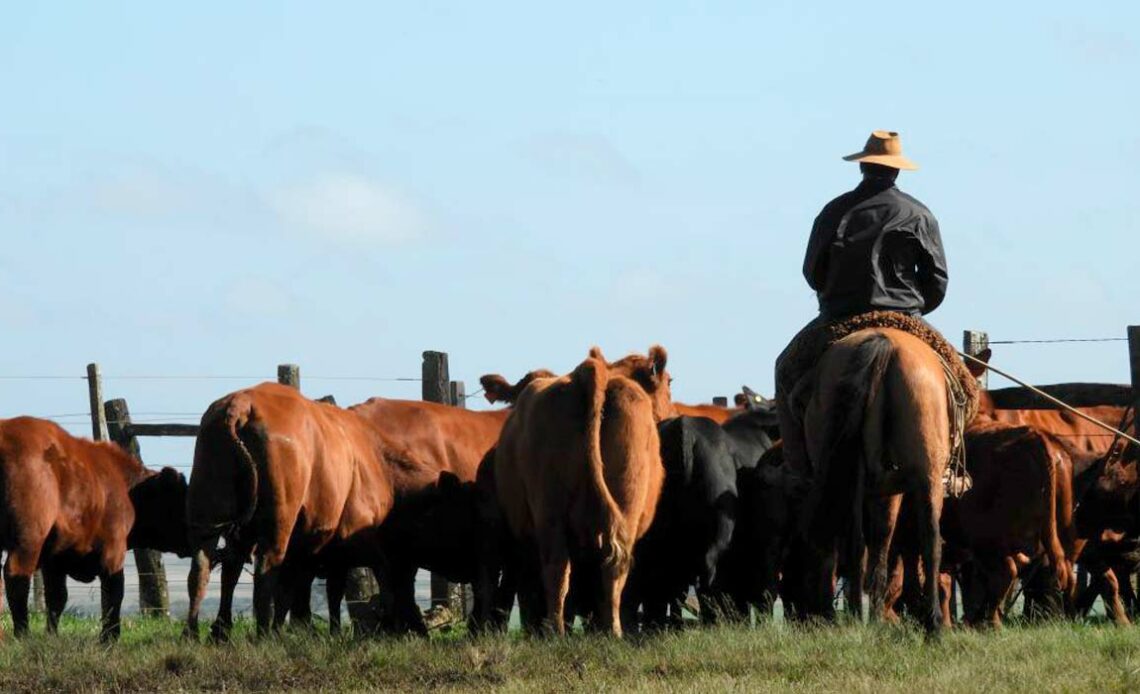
(884, 148)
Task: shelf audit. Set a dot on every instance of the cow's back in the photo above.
(269, 453)
(76, 489)
(540, 459)
(1076, 431)
(446, 438)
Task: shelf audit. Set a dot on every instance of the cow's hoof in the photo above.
(219, 633)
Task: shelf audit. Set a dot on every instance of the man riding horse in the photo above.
(867, 391)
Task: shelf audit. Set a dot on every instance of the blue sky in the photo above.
(217, 189)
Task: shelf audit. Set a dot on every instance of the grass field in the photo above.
(152, 657)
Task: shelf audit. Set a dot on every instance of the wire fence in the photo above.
(1058, 340)
(85, 598)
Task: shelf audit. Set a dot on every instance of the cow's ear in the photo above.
(659, 358)
(448, 481)
(169, 477)
(596, 353)
(527, 379)
(976, 369)
(496, 388)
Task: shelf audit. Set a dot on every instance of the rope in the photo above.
(1052, 399)
(957, 479)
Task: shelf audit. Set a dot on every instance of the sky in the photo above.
(211, 190)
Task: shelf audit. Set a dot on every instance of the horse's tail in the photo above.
(848, 448)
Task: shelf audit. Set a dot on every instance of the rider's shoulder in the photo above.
(840, 202)
(908, 200)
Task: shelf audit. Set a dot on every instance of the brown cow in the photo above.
(72, 507)
(1108, 515)
(1007, 518)
(444, 442)
(298, 479)
(718, 413)
(1075, 431)
(580, 486)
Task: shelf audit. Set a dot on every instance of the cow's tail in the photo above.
(1054, 550)
(592, 376)
(223, 448)
(843, 467)
(236, 421)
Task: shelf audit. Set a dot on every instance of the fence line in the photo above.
(1058, 340)
(189, 377)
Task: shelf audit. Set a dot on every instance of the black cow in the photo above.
(763, 544)
(696, 515)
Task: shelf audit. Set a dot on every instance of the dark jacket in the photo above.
(875, 248)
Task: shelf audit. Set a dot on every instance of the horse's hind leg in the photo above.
(880, 533)
(928, 504)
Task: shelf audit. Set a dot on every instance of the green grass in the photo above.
(152, 657)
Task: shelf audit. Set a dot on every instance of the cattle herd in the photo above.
(589, 495)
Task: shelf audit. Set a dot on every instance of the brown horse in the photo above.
(877, 427)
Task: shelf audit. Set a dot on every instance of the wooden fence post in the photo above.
(289, 374)
(974, 342)
(436, 387)
(461, 594)
(154, 598)
(99, 430)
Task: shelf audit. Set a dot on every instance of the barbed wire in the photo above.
(192, 377)
(1058, 340)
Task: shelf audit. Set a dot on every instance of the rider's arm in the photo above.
(932, 274)
(815, 261)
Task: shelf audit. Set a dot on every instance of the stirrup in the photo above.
(956, 485)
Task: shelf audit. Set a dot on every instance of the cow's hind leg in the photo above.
(197, 582)
(232, 564)
(18, 572)
(267, 573)
(112, 588)
(398, 577)
(294, 598)
(55, 596)
(555, 562)
(1110, 594)
(614, 575)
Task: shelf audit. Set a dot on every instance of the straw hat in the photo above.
(884, 148)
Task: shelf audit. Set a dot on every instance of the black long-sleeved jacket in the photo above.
(876, 248)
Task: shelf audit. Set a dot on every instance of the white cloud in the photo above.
(349, 208)
(258, 296)
(585, 155)
(142, 193)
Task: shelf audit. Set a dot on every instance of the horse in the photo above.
(877, 427)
